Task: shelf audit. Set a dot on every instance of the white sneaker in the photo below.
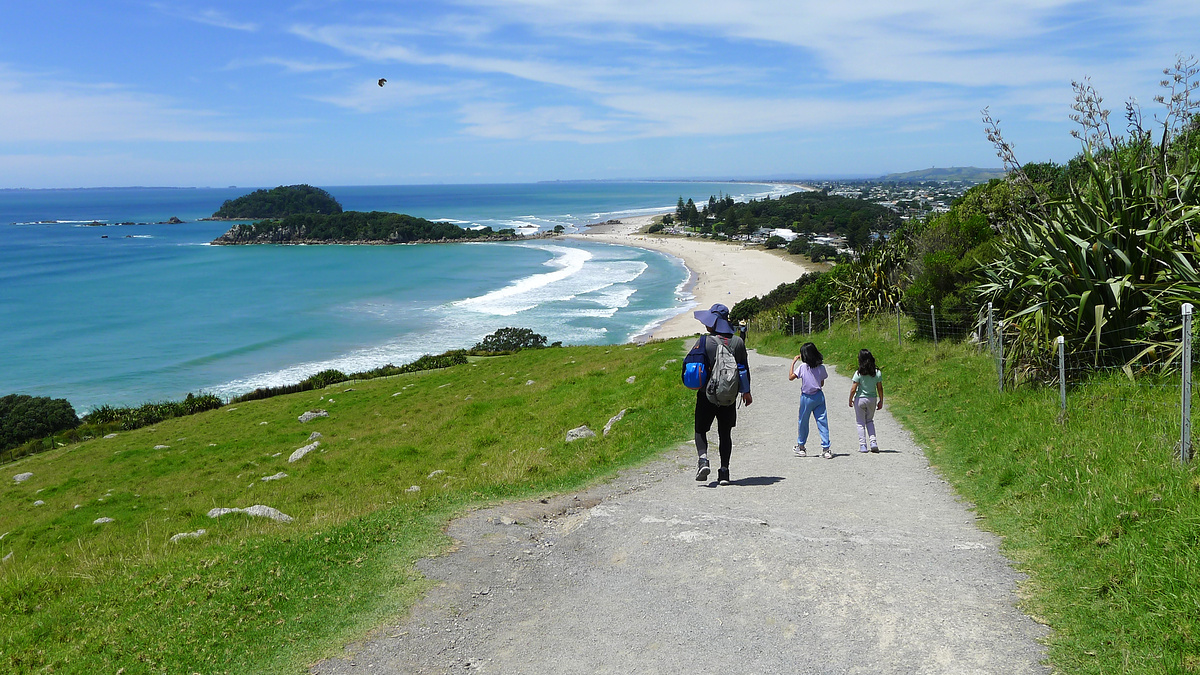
(799, 450)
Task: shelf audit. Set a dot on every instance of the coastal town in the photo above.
(910, 199)
(826, 237)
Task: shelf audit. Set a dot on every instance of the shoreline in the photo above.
(724, 272)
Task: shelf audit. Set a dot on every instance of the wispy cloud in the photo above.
(295, 66)
(368, 96)
(34, 109)
(208, 17)
(381, 45)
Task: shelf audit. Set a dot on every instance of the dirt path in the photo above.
(865, 563)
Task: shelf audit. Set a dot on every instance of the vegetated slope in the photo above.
(397, 457)
(279, 202)
(809, 212)
(377, 227)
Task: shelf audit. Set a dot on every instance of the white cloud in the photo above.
(208, 17)
(379, 45)
(369, 97)
(290, 65)
(33, 109)
(541, 123)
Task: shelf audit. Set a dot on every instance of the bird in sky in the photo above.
(382, 81)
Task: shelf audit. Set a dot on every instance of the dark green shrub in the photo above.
(822, 252)
(511, 340)
(325, 378)
(745, 309)
(24, 418)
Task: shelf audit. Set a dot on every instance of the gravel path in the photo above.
(866, 563)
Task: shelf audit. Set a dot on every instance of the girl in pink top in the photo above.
(807, 367)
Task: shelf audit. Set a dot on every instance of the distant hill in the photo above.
(967, 173)
(280, 202)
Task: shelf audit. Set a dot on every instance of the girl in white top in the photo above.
(866, 396)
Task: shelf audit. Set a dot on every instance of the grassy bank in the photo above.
(1093, 507)
(253, 595)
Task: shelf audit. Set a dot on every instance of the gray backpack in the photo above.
(722, 387)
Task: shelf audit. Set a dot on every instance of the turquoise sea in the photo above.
(124, 314)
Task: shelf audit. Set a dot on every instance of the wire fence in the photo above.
(1158, 394)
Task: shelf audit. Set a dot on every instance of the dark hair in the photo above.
(810, 355)
(866, 363)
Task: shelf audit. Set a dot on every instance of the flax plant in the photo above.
(1108, 265)
(874, 284)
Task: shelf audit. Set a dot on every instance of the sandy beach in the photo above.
(724, 272)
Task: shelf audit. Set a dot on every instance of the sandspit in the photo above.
(724, 272)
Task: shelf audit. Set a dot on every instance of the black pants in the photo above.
(726, 416)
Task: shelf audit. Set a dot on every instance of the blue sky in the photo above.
(194, 93)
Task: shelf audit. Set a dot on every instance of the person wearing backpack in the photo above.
(726, 378)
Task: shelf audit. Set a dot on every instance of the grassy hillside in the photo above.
(253, 595)
(1095, 508)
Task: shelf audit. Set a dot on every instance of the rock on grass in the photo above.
(299, 454)
(257, 510)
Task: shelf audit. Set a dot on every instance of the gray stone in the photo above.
(315, 435)
(110, 435)
(580, 432)
(257, 510)
(415, 488)
(7, 557)
(39, 503)
(101, 521)
(188, 535)
(161, 447)
(631, 379)
(312, 415)
(613, 420)
(22, 477)
(299, 454)
(528, 382)
(279, 476)
(437, 472)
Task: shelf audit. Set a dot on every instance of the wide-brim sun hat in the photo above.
(715, 317)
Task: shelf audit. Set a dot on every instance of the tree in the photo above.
(25, 418)
(820, 252)
(797, 246)
(775, 241)
(511, 340)
(691, 214)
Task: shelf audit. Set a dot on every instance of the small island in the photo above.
(357, 227)
(303, 214)
(280, 202)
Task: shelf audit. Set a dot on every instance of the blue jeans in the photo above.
(813, 404)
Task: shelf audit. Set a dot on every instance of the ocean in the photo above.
(124, 314)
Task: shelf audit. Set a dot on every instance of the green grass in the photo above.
(256, 596)
(1094, 507)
